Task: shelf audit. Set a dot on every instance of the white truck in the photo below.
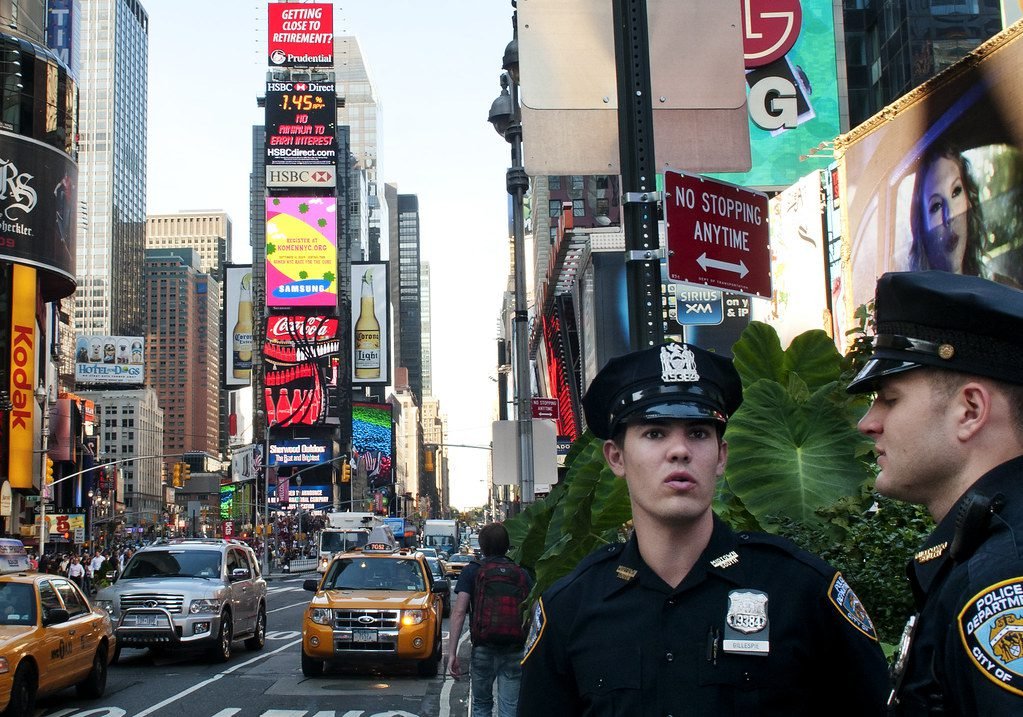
(442, 535)
(344, 531)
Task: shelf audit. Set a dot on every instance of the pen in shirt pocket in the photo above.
(712, 645)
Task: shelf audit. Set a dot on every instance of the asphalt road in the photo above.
(268, 683)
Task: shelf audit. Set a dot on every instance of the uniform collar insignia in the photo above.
(726, 561)
(928, 554)
(678, 364)
(625, 573)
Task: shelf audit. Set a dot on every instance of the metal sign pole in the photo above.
(639, 173)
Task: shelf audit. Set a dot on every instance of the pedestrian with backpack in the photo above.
(492, 591)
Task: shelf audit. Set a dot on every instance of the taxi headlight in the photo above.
(4, 666)
(107, 605)
(322, 615)
(413, 617)
(204, 607)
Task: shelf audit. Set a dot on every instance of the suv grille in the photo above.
(171, 603)
(373, 619)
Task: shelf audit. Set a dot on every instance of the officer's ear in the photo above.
(613, 456)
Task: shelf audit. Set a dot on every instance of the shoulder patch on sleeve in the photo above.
(991, 630)
(841, 595)
(536, 626)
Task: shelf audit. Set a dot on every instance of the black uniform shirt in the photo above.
(758, 627)
(966, 655)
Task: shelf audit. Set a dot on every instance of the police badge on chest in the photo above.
(747, 630)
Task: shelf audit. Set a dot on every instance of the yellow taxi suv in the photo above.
(376, 605)
(51, 638)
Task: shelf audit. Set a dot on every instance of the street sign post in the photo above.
(717, 234)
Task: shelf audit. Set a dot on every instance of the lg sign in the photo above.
(770, 29)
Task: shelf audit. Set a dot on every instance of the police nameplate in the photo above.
(747, 629)
(991, 628)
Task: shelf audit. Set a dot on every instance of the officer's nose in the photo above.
(870, 424)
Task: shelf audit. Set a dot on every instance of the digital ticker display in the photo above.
(300, 123)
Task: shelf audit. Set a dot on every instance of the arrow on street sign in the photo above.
(706, 263)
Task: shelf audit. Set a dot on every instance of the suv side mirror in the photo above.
(239, 574)
(441, 586)
(311, 585)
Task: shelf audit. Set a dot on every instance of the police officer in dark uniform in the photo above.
(947, 423)
(688, 617)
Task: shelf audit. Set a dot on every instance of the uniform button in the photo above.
(743, 536)
(669, 657)
(671, 602)
(600, 682)
(746, 676)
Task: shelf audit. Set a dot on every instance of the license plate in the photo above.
(364, 635)
(148, 620)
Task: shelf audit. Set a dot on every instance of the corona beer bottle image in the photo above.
(241, 337)
(367, 332)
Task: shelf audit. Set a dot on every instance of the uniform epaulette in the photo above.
(598, 556)
(789, 548)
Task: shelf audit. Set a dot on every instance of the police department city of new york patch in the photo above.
(991, 628)
(849, 606)
(536, 626)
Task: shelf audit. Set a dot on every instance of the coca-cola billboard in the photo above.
(302, 357)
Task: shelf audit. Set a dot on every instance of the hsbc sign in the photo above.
(301, 176)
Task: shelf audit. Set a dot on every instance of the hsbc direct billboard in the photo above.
(300, 35)
(300, 176)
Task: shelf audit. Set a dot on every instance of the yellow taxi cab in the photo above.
(457, 562)
(377, 604)
(50, 636)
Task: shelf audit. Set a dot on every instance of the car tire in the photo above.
(311, 667)
(221, 652)
(23, 692)
(95, 683)
(258, 639)
(430, 666)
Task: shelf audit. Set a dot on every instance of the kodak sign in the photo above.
(23, 363)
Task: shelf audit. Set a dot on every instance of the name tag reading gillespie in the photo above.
(747, 630)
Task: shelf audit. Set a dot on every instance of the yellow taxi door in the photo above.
(56, 654)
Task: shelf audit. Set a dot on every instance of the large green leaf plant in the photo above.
(797, 466)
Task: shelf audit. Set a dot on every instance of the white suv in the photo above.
(189, 593)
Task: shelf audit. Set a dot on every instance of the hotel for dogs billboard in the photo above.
(302, 358)
(301, 252)
(110, 360)
(935, 180)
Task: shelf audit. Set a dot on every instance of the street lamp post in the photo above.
(506, 117)
(266, 493)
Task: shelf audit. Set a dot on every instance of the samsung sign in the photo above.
(301, 176)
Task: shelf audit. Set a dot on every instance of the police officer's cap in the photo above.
(948, 321)
(667, 381)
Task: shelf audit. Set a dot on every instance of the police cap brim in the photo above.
(664, 411)
(874, 370)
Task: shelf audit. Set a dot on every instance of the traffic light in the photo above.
(346, 473)
(177, 482)
(185, 472)
(49, 470)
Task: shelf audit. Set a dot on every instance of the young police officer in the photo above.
(947, 424)
(688, 617)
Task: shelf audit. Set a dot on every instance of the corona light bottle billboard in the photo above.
(367, 332)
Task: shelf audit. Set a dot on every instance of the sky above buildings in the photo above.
(435, 67)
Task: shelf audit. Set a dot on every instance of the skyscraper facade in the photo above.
(894, 45)
(405, 275)
(426, 321)
(209, 233)
(182, 309)
(112, 167)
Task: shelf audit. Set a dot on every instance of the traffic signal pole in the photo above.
(639, 173)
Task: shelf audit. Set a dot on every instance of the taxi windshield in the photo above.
(17, 604)
(374, 574)
(173, 564)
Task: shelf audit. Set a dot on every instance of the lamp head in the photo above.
(501, 113)
(511, 60)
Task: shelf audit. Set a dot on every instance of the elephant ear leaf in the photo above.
(813, 357)
(789, 457)
(758, 354)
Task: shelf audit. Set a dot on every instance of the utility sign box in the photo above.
(717, 234)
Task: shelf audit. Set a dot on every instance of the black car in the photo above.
(438, 574)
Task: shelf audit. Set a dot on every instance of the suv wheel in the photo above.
(258, 638)
(221, 652)
(311, 667)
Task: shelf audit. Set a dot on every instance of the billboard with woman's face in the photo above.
(935, 181)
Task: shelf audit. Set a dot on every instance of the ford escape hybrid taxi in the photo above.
(378, 604)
